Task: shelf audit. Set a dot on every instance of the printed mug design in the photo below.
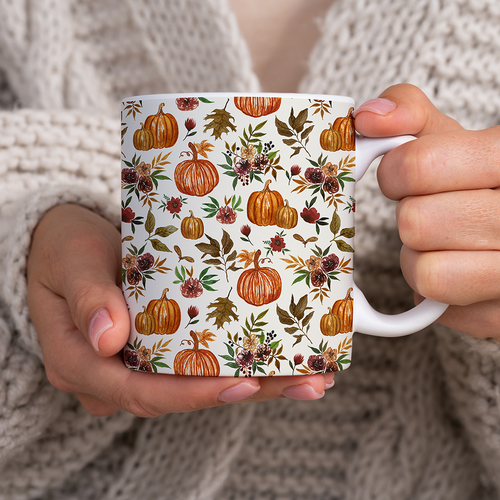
(237, 230)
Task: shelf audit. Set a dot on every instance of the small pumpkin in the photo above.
(260, 285)
(344, 309)
(262, 206)
(330, 324)
(257, 106)
(196, 361)
(145, 323)
(286, 216)
(192, 227)
(164, 128)
(166, 313)
(330, 139)
(143, 139)
(345, 127)
(195, 177)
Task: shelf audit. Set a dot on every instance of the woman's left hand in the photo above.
(446, 183)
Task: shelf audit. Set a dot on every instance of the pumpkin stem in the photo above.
(256, 258)
(191, 213)
(348, 296)
(195, 340)
(266, 185)
(192, 147)
(164, 294)
(349, 112)
(160, 110)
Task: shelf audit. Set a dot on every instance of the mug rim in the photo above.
(285, 95)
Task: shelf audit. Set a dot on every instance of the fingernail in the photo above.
(329, 380)
(302, 392)
(238, 392)
(100, 322)
(378, 106)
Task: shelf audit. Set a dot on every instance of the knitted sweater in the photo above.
(413, 418)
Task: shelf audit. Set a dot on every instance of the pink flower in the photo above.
(174, 205)
(193, 311)
(187, 103)
(310, 215)
(128, 215)
(190, 124)
(226, 215)
(191, 288)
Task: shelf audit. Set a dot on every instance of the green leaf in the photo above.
(150, 222)
(159, 246)
(205, 100)
(335, 223)
(343, 246)
(165, 231)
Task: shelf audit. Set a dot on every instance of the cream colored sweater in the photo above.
(413, 418)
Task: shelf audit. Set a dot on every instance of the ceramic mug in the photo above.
(237, 230)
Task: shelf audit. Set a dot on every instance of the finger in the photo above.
(464, 220)
(401, 109)
(481, 320)
(96, 406)
(452, 161)
(76, 254)
(453, 277)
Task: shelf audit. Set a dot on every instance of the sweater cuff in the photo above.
(28, 213)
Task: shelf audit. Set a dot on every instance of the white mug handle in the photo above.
(366, 319)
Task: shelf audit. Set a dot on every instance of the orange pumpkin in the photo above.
(145, 323)
(164, 128)
(345, 127)
(257, 106)
(196, 361)
(143, 139)
(330, 324)
(196, 177)
(166, 313)
(344, 309)
(286, 216)
(330, 139)
(262, 206)
(259, 286)
(191, 227)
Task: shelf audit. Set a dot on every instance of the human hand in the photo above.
(82, 320)
(447, 186)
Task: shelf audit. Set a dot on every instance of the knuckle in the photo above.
(57, 380)
(411, 223)
(430, 277)
(417, 169)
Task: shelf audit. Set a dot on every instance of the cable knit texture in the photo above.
(413, 418)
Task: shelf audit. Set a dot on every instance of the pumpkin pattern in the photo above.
(344, 310)
(197, 362)
(143, 139)
(164, 128)
(262, 206)
(192, 228)
(251, 204)
(196, 177)
(257, 106)
(260, 285)
(166, 313)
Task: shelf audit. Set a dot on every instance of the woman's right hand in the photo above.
(82, 320)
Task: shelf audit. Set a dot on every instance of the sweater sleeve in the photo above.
(46, 159)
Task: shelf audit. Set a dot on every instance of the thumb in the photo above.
(84, 268)
(399, 110)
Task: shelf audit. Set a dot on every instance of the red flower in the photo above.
(314, 175)
(187, 103)
(298, 358)
(226, 215)
(193, 311)
(329, 263)
(128, 215)
(244, 358)
(134, 276)
(190, 124)
(130, 176)
(174, 205)
(310, 215)
(145, 262)
(145, 184)
(191, 288)
(295, 170)
(131, 358)
(246, 230)
(316, 363)
(277, 243)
